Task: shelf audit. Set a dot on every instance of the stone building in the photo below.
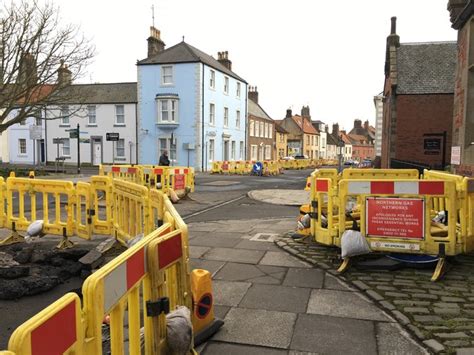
(303, 138)
(462, 159)
(418, 102)
(261, 135)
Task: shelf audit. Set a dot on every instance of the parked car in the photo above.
(301, 157)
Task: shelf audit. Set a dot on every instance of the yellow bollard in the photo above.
(204, 322)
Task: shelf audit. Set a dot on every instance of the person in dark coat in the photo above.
(164, 161)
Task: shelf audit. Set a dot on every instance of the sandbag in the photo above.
(179, 331)
(353, 243)
(35, 228)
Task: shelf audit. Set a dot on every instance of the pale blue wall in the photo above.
(221, 100)
(149, 85)
(193, 96)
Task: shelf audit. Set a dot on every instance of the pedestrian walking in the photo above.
(164, 161)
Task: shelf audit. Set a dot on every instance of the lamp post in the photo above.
(340, 147)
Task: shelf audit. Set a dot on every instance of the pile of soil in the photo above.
(30, 269)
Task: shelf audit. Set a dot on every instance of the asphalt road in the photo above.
(217, 197)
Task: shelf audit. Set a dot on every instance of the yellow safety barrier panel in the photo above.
(58, 329)
(156, 177)
(355, 173)
(101, 204)
(123, 172)
(181, 180)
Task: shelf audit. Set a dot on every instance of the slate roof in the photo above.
(110, 93)
(185, 53)
(280, 129)
(256, 110)
(426, 68)
(332, 140)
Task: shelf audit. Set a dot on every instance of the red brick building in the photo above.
(418, 102)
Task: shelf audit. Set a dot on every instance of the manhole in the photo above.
(264, 237)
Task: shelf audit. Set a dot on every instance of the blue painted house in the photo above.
(190, 104)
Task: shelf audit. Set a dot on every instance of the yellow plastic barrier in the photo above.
(57, 220)
(57, 329)
(123, 172)
(156, 177)
(355, 173)
(181, 180)
(101, 204)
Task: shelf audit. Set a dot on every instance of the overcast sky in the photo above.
(326, 54)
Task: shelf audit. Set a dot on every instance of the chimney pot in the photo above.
(393, 29)
(155, 44)
(253, 94)
(223, 58)
(288, 113)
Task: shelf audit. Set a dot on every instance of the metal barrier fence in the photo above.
(143, 283)
(395, 211)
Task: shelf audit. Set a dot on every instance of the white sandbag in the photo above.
(353, 243)
(135, 240)
(35, 228)
(179, 331)
(440, 217)
(173, 196)
(304, 222)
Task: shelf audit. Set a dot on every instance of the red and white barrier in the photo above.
(396, 187)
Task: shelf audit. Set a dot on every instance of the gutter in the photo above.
(203, 147)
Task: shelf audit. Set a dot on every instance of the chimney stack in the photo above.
(335, 129)
(288, 113)
(253, 94)
(366, 125)
(455, 7)
(64, 75)
(223, 58)
(27, 74)
(155, 44)
(305, 112)
(357, 124)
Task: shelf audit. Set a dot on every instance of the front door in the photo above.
(97, 152)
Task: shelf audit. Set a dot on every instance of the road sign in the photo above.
(58, 140)
(204, 306)
(73, 134)
(85, 140)
(456, 155)
(36, 132)
(112, 137)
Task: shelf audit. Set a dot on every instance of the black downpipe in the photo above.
(246, 122)
(136, 134)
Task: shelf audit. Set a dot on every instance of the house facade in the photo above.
(418, 102)
(320, 126)
(261, 130)
(303, 138)
(104, 108)
(281, 142)
(189, 104)
(378, 103)
(462, 159)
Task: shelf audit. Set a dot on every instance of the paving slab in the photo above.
(344, 304)
(195, 252)
(333, 283)
(390, 336)
(252, 245)
(280, 197)
(221, 311)
(235, 255)
(312, 278)
(276, 298)
(214, 348)
(212, 241)
(204, 226)
(209, 265)
(257, 327)
(332, 335)
(251, 273)
(277, 258)
(228, 293)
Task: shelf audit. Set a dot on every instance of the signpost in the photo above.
(75, 133)
(112, 137)
(36, 132)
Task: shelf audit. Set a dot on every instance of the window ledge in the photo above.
(167, 124)
(64, 125)
(120, 158)
(91, 125)
(119, 124)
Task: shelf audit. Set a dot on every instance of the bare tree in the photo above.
(39, 59)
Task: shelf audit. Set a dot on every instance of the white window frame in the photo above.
(20, 146)
(164, 75)
(212, 149)
(64, 114)
(226, 85)
(252, 128)
(117, 115)
(253, 152)
(91, 112)
(212, 114)
(212, 79)
(268, 152)
(270, 130)
(241, 151)
(237, 119)
(262, 129)
(257, 129)
(266, 130)
(237, 90)
(172, 152)
(226, 117)
(172, 110)
(66, 148)
(117, 155)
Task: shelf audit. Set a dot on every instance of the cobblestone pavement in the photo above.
(440, 314)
